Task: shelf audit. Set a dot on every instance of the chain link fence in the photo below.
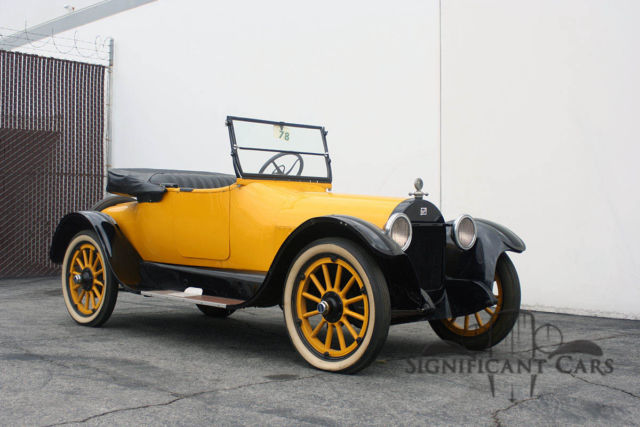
(52, 156)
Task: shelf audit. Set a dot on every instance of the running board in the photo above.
(189, 297)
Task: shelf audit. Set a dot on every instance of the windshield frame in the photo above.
(236, 160)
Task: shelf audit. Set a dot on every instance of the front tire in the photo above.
(489, 326)
(336, 306)
(89, 288)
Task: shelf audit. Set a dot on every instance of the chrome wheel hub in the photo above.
(323, 307)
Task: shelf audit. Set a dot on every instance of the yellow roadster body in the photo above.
(341, 267)
(241, 226)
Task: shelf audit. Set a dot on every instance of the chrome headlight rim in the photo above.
(388, 227)
(455, 229)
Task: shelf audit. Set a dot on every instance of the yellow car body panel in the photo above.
(239, 227)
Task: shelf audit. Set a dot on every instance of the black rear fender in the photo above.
(122, 258)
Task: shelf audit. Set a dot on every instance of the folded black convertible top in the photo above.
(148, 185)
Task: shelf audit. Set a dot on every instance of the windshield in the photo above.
(278, 150)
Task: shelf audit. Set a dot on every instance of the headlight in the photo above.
(464, 232)
(398, 227)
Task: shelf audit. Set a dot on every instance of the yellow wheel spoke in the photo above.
(488, 310)
(79, 262)
(352, 300)
(477, 315)
(328, 274)
(336, 283)
(347, 286)
(75, 272)
(354, 315)
(84, 257)
(349, 328)
(99, 272)
(78, 299)
(318, 327)
(315, 281)
(98, 282)
(74, 296)
(311, 297)
(327, 341)
(310, 314)
(90, 259)
(340, 336)
(466, 322)
(98, 296)
(327, 278)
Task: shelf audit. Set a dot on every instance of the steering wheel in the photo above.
(281, 169)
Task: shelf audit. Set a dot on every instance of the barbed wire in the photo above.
(25, 30)
(98, 50)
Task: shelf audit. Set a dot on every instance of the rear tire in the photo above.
(89, 288)
(336, 306)
(216, 312)
(481, 334)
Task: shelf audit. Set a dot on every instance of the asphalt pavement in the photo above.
(161, 363)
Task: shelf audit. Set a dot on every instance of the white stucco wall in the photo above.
(538, 112)
(541, 101)
(368, 74)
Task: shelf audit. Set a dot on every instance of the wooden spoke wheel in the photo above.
(336, 306)
(88, 287)
(480, 321)
(489, 326)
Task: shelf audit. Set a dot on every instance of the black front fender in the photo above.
(470, 274)
(370, 237)
(122, 258)
(479, 262)
(509, 238)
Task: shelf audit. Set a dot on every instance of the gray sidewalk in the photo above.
(159, 363)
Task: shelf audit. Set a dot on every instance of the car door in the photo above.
(201, 223)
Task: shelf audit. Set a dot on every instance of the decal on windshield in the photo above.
(281, 132)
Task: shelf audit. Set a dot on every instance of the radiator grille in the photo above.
(426, 254)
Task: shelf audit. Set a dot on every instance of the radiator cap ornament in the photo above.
(418, 194)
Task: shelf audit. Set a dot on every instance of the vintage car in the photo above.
(341, 267)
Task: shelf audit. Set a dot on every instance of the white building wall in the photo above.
(538, 126)
(367, 71)
(541, 131)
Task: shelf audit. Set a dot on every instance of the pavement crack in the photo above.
(264, 382)
(496, 413)
(176, 399)
(113, 411)
(605, 386)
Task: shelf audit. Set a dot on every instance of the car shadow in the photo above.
(252, 333)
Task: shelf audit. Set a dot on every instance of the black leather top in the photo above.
(148, 185)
